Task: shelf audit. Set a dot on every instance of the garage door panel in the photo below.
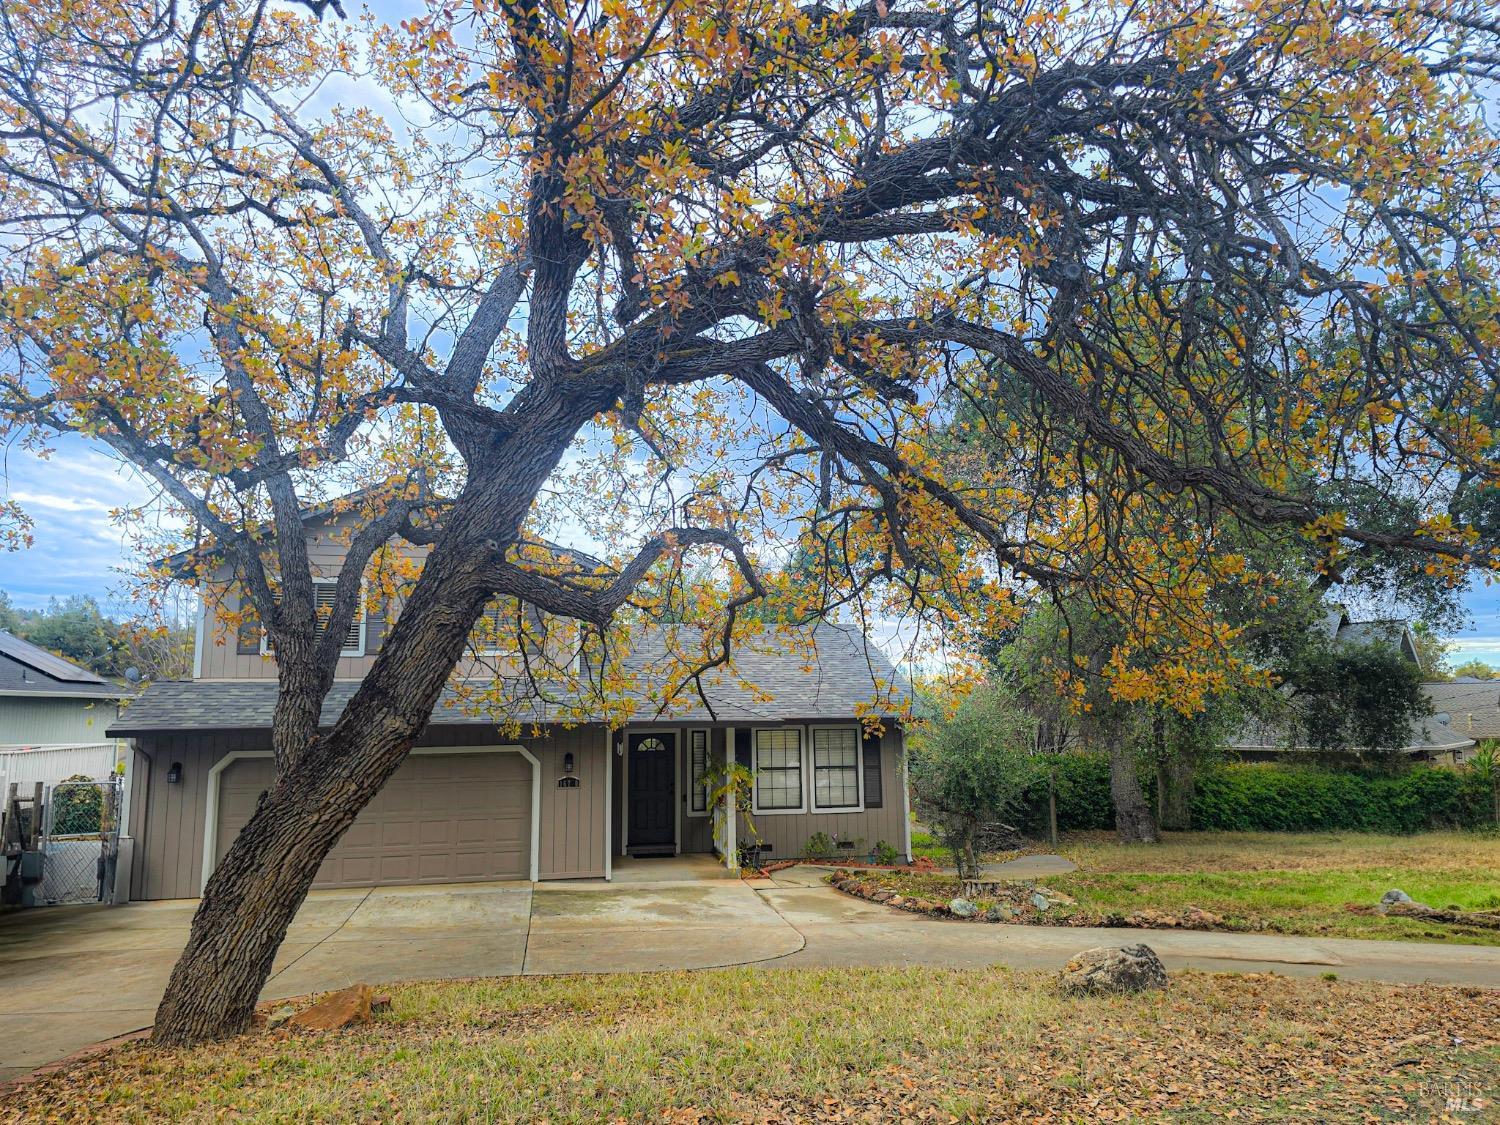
(441, 818)
(361, 836)
(475, 830)
(403, 802)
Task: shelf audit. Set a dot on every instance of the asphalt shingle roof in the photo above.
(1473, 709)
(26, 669)
(1431, 735)
(776, 677)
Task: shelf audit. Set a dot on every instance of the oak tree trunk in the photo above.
(262, 880)
(1134, 823)
(1177, 806)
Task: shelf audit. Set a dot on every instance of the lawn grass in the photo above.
(1293, 883)
(795, 1045)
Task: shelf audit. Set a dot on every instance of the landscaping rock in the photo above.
(337, 1009)
(279, 1016)
(1194, 918)
(1397, 898)
(1132, 968)
(1040, 901)
(999, 913)
(883, 896)
(962, 908)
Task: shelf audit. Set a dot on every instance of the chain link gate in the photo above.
(80, 841)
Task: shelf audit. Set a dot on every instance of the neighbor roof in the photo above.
(776, 678)
(26, 669)
(1472, 707)
(1432, 735)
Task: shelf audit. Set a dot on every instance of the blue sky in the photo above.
(79, 550)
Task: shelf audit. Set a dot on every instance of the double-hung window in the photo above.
(835, 754)
(778, 770)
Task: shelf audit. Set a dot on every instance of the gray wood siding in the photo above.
(326, 548)
(167, 821)
(787, 833)
(572, 834)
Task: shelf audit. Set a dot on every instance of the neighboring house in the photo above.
(558, 802)
(46, 701)
(1431, 739)
(1471, 706)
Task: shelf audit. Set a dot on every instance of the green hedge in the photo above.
(1247, 797)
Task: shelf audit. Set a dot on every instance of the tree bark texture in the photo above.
(1134, 823)
(1179, 774)
(262, 880)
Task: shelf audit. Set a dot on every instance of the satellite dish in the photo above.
(132, 675)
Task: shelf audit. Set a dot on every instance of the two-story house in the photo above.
(563, 799)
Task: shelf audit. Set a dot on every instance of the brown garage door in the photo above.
(444, 818)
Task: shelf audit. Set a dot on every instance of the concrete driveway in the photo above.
(71, 976)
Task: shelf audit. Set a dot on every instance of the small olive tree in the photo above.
(969, 773)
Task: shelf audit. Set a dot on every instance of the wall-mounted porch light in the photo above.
(568, 762)
(174, 774)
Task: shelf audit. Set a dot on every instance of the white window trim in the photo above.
(361, 621)
(859, 769)
(216, 771)
(198, 630)
(687, 757)
(755, 808)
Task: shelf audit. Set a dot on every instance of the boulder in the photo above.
(338, 1009)
(1101, 971)
(1040, 901)
(1401, 899)
(999, 913)
(962, 908)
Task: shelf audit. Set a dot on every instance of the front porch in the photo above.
(670, 869)
(659, 806)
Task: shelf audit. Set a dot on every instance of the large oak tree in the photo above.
(710, 275)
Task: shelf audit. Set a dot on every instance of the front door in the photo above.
(653, 791)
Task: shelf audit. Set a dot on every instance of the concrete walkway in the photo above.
(71, 976)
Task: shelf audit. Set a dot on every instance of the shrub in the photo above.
(819, 846)
(970, 774)
(1270, 797)
(1083, 800)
